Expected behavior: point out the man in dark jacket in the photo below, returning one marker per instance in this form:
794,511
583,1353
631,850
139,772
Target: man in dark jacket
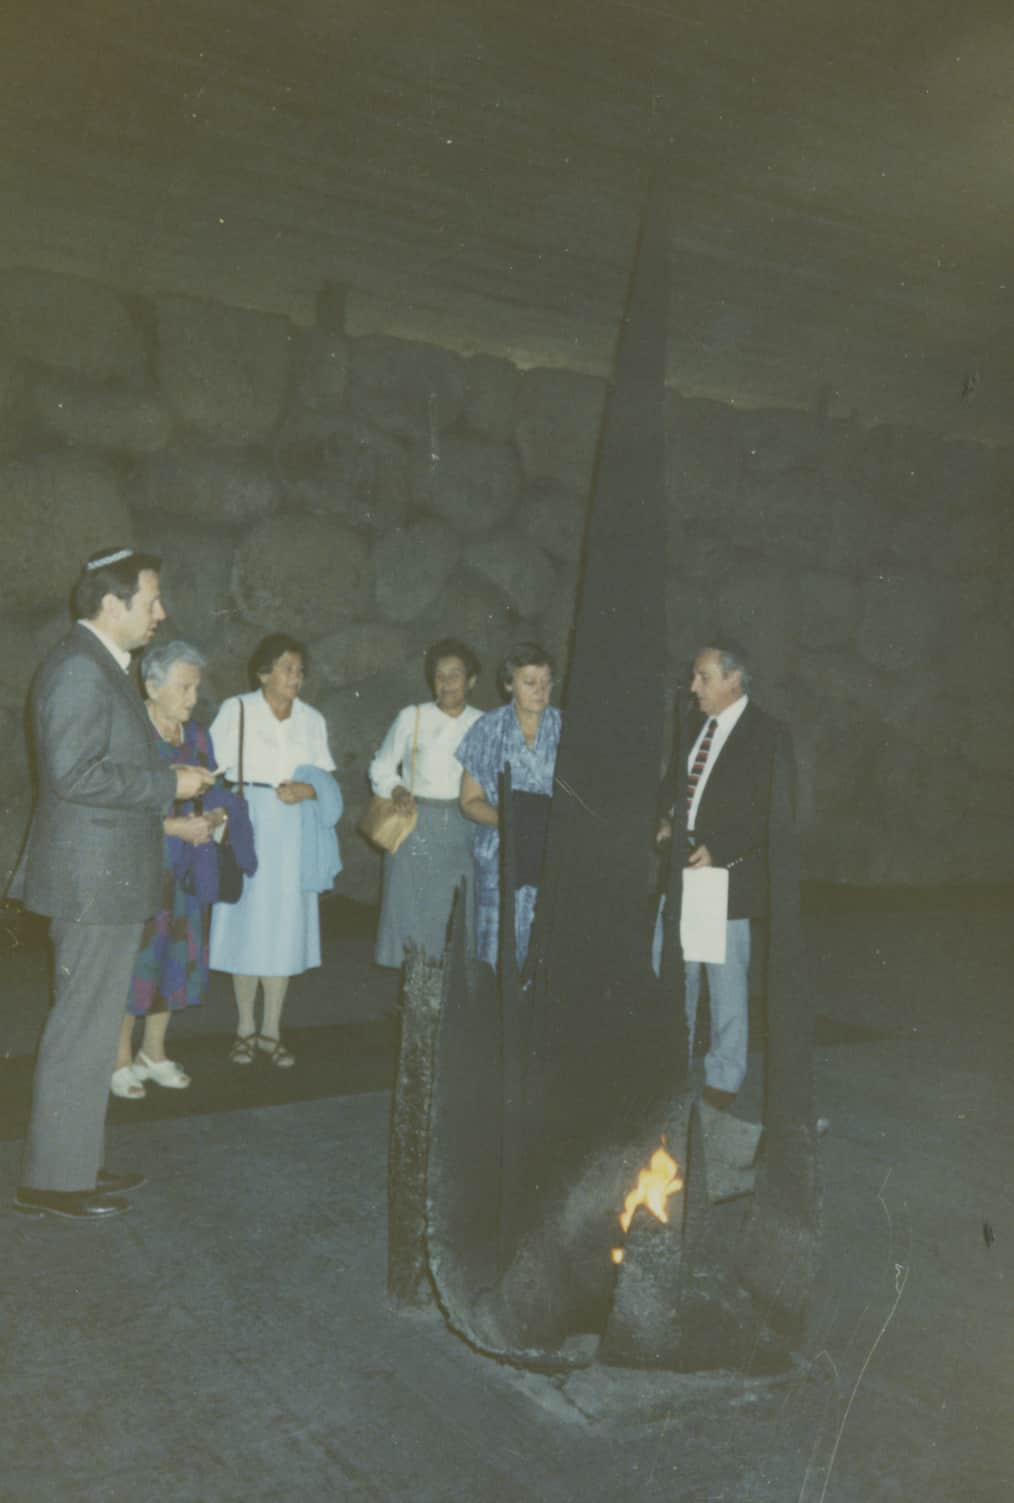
93,865
730,748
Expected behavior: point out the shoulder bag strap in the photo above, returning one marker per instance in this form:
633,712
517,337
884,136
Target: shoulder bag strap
242,729
415,748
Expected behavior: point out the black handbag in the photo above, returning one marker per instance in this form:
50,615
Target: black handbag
230,873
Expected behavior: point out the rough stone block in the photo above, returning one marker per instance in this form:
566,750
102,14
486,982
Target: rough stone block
758,607
18,662
828,609
70,324
703,458
559,415
474,485
557,622
782,516
320,363
224,371
134,422
195,578
56,510
517,568
414,390
554,519
213,485
491,392
303,575
898,622
776,440
412,567
359,651
352,472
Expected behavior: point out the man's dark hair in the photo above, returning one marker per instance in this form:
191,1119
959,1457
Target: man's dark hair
449,647
110,571
731,656
523,655
269,649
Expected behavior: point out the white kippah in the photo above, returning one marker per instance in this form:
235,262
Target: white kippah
109,558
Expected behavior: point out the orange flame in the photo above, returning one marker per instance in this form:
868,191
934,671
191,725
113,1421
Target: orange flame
654,1186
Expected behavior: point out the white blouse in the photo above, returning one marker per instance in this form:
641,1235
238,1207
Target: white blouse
437,774
272,748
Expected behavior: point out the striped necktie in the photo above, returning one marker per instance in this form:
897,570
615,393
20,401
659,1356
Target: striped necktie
703,752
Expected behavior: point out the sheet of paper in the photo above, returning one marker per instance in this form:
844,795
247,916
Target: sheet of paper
704,912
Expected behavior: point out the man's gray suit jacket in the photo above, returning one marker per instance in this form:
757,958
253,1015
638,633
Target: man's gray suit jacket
94,850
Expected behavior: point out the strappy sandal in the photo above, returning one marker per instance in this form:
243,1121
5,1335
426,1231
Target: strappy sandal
244,1049
125,1083
278,1055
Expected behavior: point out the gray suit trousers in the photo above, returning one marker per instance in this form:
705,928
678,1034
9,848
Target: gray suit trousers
93,964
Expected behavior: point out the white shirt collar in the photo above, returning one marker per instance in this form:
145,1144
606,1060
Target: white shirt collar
123,658
727,718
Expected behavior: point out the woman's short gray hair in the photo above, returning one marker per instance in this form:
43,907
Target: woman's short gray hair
158,662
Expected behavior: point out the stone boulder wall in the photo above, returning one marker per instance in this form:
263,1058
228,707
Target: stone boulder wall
491,393
223,371
517,568
412,567
218,486
343,468
128,422
559,415
371,495
358,652
56,510
196,577
471,485
413,390
69,324
302,575
554,520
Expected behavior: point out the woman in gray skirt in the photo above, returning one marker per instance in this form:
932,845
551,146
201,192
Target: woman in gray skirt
415,766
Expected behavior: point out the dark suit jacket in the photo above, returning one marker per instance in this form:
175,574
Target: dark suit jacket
94,850
733,814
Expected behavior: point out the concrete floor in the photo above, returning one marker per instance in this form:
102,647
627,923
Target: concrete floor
231,1339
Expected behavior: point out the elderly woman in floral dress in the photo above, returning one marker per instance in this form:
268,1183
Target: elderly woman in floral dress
525,733
171,970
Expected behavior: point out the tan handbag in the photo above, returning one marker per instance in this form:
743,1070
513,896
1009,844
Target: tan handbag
384,823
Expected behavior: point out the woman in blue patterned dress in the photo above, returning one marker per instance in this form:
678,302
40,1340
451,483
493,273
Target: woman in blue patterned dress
171,970
525,733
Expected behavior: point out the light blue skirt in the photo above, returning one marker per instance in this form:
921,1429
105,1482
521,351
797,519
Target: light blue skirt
274,929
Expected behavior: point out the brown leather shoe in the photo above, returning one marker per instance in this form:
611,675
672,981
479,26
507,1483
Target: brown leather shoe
76,1205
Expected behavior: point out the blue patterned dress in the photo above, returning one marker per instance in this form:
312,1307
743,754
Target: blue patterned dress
492,742
171,970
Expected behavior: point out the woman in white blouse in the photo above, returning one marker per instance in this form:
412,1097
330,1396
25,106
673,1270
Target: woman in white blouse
421,878
273,932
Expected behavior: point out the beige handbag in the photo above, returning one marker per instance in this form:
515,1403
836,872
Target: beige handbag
384,823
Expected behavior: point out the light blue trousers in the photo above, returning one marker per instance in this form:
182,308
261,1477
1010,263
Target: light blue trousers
728,994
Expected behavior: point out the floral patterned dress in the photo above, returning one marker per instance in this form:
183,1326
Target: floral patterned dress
171,970
493,741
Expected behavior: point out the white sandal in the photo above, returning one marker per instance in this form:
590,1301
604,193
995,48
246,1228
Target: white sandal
164,1072
125,1083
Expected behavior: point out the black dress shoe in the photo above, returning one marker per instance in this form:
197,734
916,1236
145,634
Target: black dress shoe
118,1184
78,1205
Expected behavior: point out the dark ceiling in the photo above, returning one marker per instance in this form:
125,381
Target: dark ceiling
840,177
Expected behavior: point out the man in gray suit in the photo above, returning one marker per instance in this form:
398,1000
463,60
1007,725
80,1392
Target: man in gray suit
93,865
